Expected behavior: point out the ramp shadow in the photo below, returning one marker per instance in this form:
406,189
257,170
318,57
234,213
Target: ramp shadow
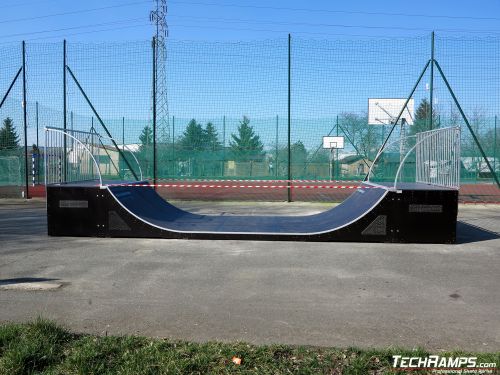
467,233
24,280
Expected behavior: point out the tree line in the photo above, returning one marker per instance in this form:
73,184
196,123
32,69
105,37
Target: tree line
201,141
246,145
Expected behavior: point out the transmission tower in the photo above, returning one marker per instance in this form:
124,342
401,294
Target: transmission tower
158,19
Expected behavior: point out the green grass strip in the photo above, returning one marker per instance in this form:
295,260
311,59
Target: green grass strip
43,347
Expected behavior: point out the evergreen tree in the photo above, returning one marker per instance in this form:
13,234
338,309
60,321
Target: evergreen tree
246,145
193,137
211,138
299,153
146,137
8,136
421,122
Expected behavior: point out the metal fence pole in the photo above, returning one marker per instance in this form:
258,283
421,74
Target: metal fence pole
337,164
123,144
223,144
289,177
276,146
25,123
431,88
173,145
64,107
10,87
37,146
154,111
495,147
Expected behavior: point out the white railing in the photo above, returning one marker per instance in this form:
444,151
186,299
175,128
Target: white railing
73,155
437,154
437,158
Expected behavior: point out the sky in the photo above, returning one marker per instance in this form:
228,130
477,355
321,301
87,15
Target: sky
116,20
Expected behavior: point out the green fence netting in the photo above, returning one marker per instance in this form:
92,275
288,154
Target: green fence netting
229,104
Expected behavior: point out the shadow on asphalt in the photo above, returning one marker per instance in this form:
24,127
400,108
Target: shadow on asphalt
468,233
24,280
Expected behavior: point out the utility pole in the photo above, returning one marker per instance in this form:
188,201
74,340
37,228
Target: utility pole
159,21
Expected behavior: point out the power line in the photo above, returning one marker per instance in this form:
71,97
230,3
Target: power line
16,5
235,20
73,12
83,32
276,31
335,11
73,28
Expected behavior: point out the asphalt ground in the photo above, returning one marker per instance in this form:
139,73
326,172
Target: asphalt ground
440,297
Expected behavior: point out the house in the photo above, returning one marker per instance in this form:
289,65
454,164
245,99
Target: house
354,166
475,166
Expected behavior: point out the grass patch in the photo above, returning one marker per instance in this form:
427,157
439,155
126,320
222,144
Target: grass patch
42,347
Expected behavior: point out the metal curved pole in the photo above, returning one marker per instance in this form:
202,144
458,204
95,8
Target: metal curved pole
47,129
381,151
137,161
434,133
128,149
104,137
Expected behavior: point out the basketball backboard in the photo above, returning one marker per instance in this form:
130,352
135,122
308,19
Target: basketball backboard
384,111
333,142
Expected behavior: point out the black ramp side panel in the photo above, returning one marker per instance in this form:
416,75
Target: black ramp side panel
145,204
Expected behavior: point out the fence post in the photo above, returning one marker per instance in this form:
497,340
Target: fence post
289,177
64,107
25,123
173,146
337,164
276,146
37,146
154,112
495,148
223,144
431,88
123,132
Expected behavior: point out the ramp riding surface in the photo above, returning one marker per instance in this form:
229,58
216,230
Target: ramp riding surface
145,204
